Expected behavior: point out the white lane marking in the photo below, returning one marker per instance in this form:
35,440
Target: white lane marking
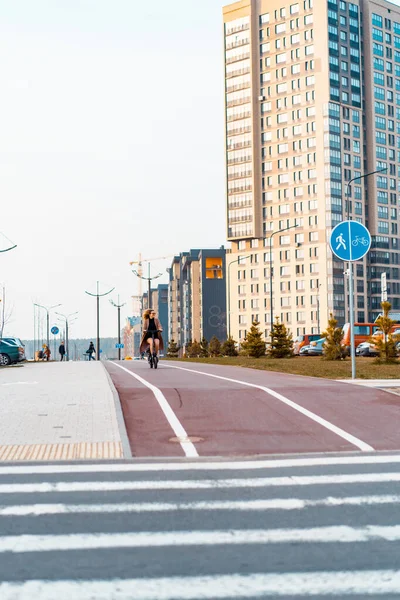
254,585
304,411
25,510
171,417
199,484
285,463
344,534
21,383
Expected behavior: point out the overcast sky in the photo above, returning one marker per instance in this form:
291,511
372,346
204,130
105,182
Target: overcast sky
111,144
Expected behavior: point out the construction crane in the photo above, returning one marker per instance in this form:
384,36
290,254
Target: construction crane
139,264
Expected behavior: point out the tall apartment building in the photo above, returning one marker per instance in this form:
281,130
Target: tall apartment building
197,296
312,94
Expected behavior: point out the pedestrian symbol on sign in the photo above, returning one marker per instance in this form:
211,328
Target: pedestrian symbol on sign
341,241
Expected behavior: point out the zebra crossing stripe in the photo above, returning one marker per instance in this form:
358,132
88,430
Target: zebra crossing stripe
88,541
280,463
26,510
254,585
199,484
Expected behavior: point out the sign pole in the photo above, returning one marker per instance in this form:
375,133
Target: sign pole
351,308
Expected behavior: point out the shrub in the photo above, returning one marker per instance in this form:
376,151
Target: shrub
333,348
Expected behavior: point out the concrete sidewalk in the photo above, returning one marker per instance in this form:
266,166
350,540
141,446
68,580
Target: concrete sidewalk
60,411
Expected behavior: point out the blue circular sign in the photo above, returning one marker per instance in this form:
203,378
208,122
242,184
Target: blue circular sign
55,330
350,240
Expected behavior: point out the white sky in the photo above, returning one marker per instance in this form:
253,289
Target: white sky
111,144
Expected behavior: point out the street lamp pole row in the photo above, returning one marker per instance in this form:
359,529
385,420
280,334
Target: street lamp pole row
118,306
97,296
149,280
66,319
47,309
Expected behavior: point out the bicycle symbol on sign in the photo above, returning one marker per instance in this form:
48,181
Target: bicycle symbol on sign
359,240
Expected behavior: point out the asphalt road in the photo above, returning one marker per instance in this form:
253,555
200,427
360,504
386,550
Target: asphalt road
319,526
210,410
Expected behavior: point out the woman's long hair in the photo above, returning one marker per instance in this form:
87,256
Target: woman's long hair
146,314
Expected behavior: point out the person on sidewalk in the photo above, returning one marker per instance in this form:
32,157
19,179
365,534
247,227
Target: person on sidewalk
61,350
91,351
46,352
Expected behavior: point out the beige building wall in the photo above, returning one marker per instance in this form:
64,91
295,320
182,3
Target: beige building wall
289,83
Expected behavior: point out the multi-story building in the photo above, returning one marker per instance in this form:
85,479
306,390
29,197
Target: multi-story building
312,92
197,296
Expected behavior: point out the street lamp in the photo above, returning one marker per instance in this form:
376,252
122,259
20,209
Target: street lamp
97,296
237,260
350,274
66,319
149,280
47,309
118,306
270,270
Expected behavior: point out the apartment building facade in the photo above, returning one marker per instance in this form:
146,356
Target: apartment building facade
197,296
305,115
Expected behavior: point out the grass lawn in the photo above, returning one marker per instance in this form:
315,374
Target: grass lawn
314,366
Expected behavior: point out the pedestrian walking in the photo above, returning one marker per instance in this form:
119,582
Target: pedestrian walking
91,351
61,350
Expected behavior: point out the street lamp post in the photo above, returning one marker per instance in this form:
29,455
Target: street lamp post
118,306
149,280
270,271
237,260
48,309
350,274
66,319
97,296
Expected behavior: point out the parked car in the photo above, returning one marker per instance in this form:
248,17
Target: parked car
316,348
366,349
13,340
304,350
10,353
304,340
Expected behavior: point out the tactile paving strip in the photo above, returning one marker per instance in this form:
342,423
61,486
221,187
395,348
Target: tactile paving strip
78,451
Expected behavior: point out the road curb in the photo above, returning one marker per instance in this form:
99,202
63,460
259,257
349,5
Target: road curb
126,448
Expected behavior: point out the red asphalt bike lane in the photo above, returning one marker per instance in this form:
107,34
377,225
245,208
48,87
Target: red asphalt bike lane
232,419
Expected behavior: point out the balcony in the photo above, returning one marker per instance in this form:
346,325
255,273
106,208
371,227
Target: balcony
240,159
237,58
239,188
238,43
238,116
237,73
239,86
242,27
238,130
240,175
246,219
239,101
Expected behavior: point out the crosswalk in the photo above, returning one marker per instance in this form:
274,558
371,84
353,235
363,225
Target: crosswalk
319,527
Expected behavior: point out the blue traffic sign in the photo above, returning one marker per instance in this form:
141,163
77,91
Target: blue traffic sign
350,240
55,330
119,345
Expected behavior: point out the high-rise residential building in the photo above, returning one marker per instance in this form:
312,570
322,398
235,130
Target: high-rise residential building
197,296
312,94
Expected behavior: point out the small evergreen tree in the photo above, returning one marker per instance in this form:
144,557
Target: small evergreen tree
204,352
195,350
281,345
229,347
215,346
188,349
253,344
333,348
173,349
384,340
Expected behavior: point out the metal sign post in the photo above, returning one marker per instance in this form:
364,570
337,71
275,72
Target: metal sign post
350,241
